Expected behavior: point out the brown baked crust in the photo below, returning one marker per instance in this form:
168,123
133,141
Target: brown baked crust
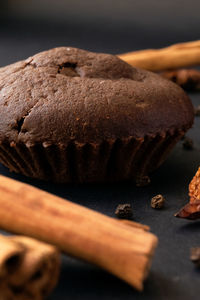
68,94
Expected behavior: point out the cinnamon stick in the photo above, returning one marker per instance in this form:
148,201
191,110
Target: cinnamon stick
135,224
125,251
173,57
29,268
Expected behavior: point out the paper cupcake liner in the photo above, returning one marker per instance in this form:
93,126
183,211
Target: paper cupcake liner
108,161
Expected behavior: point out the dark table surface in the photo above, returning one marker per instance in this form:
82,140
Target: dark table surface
172,275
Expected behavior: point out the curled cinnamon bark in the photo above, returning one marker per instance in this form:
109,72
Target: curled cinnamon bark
11,255
188,79
29,269
192,209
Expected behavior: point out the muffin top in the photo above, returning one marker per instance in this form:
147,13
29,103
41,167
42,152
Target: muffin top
69,94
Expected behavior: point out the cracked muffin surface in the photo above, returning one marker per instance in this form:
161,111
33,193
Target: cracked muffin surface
67,93
71,115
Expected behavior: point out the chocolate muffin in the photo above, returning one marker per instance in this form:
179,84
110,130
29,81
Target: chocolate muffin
69,115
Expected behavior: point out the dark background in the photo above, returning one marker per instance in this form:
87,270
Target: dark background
27,27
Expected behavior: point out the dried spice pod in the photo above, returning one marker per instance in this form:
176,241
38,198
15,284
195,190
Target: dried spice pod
192,209
194,187
188,79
